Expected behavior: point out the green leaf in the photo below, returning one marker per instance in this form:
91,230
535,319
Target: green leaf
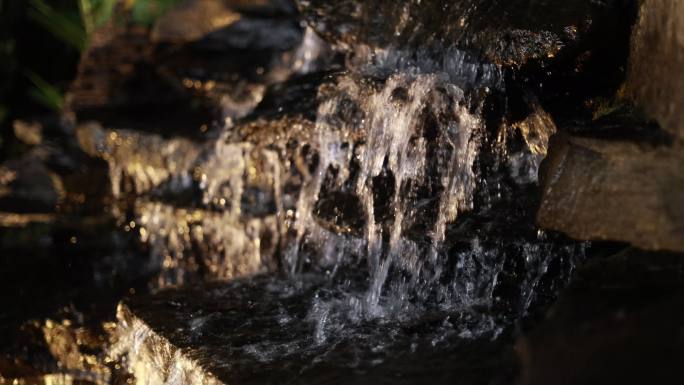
145,12
103,11
95,13
45,93
85,7
59,24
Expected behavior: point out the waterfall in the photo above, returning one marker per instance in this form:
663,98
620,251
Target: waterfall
396,190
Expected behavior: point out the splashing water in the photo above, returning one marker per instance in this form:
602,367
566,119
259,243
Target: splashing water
397,159
392,200
392,146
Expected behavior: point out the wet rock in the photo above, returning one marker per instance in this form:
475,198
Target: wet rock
654,80
130,159
224,28
261,331
205,210
58,353
27,185
191,245
30,133
258,34
117,78
47,379
191,232
627,191
508,32
620,322
71,269
192,20
527,141
75,348
202,60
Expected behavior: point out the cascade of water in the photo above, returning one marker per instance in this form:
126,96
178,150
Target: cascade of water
370,193
407,160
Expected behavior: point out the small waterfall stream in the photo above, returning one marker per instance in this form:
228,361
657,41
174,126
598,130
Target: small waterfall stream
384,163
373,199
338,191
369,194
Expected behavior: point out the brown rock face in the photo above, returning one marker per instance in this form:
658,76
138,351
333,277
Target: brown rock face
623,191
655,79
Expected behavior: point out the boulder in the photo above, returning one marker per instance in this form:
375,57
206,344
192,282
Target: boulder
655,79
261,331
201,60
602,189
223,25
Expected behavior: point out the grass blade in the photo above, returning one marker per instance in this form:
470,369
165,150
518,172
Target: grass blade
60,25
45,93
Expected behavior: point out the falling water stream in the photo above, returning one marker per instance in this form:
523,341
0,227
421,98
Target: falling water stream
408,229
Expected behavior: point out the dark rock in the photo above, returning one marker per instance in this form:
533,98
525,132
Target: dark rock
27,185
222,27
257,34
620,322
72,269
118,78
130,159
192,20
203,61
261,331
264,7
614,190
655,80
508,32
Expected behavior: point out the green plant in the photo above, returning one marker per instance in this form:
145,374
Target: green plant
60,24
95,13
44,93
71,29
145,12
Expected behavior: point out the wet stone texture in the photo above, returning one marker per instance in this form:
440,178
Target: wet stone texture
619,177
201,336
352,192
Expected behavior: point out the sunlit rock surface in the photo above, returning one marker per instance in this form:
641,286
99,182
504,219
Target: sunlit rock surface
615,190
